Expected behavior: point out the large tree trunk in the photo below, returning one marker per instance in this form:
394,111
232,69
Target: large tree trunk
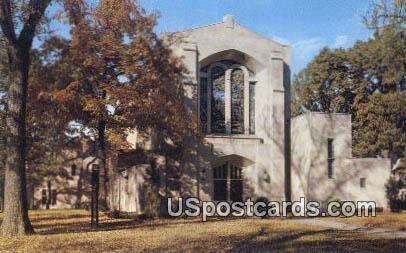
102,156
16,221
1,203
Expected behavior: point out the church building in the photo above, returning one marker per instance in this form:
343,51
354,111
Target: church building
238,86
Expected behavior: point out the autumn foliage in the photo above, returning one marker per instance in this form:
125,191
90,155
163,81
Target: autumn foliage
122,72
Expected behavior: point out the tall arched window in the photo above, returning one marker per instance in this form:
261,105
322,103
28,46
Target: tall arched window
218,100
226,99
237,101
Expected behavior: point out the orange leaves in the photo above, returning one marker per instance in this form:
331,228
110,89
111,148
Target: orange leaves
114,50
117,139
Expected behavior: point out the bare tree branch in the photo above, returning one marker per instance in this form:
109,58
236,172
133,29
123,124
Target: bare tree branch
6,20
36,11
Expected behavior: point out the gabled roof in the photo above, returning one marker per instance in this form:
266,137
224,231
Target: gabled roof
228,22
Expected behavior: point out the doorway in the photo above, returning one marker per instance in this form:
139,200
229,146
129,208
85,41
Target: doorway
228,183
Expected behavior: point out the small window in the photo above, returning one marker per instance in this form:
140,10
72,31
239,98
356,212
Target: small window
73,169
330,157
362,182
53,197
44,196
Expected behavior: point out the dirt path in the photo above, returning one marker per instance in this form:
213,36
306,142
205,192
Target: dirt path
386,232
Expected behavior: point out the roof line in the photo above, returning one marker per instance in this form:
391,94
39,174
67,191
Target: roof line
236,24
197,27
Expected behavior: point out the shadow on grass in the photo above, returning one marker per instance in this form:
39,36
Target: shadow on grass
112,225
52,217
320,241
264,239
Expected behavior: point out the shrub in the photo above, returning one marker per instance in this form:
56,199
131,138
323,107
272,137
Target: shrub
392,194
152,202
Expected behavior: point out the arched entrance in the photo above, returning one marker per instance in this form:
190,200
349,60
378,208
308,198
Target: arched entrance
228,182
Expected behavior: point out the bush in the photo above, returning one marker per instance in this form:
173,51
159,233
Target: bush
152,202
392,194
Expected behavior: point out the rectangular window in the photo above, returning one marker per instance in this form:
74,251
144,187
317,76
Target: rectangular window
330,157
362,182
252,107
73,169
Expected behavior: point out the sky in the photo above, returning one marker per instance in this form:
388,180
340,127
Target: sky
305,25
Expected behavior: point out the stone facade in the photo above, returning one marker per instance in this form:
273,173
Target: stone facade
238,88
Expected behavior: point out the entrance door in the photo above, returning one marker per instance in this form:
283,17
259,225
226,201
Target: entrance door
228,185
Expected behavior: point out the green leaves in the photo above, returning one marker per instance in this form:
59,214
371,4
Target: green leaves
367,81
380,124
323,85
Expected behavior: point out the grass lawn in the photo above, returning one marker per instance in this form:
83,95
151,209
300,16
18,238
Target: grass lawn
382,220
67,231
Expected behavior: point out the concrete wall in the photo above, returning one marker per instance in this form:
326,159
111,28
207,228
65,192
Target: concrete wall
376,171
310,132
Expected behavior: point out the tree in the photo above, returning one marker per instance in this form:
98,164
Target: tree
15,14
47,140
386,14
379,69
122,77
368,81
3,77
379,125
113,75
392,189
323,85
